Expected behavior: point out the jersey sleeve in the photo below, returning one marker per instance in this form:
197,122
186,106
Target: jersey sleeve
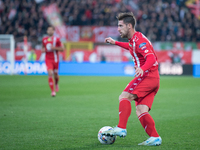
124,45
59,43
144,48
43,42
150,60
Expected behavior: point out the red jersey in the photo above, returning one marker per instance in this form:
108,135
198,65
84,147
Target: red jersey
47,43
140,47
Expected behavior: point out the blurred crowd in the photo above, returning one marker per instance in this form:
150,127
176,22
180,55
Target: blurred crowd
159,20
168,21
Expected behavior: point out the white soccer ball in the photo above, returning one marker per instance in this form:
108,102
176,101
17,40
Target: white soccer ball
104,139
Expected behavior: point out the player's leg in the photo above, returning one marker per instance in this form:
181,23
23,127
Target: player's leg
146,120
125,102
51,82
124,112
49,65
56,78
142,111
125,108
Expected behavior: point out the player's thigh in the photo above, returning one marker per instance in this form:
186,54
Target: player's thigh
142,86
131,85
49,65
55,67
147,100
146,86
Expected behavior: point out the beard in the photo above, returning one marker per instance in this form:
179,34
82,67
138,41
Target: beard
124,34
50,34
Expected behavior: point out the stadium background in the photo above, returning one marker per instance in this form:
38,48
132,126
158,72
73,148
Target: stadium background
173,26
31,119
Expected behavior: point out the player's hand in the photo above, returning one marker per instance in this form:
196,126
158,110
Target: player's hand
138,72
43,50
109,40
53,48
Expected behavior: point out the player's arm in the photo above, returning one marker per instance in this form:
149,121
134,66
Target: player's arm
124,45
60,48
43,48
146,51
150,60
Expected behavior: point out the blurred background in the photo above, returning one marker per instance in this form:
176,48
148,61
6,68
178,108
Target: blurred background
173,27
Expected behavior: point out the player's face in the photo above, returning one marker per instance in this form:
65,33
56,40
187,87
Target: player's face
123,29
50,31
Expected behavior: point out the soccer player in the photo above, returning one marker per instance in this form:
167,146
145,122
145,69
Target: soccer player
144,86
51,46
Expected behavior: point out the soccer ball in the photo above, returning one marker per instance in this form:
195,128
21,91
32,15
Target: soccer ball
104,139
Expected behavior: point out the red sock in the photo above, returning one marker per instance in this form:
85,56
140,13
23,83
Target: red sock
56,80
51,84
124,112
148,124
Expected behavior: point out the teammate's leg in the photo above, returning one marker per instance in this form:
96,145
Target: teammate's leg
51,82
56,78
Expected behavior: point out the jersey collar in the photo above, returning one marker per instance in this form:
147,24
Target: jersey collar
131,39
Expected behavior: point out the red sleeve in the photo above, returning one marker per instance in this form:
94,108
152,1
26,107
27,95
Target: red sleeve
59,44
150,60
43,42
122,44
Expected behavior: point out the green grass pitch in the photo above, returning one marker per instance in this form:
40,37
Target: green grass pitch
31,119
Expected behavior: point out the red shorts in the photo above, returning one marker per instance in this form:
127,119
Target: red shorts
145,88
51,65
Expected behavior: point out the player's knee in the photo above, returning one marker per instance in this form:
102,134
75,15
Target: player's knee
56,75
140,109
127,96
55,72
122,95
50,74
138,112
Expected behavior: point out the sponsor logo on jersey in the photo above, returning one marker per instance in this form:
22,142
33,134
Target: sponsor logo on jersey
49,39
130,45
142,44
144,47
146,51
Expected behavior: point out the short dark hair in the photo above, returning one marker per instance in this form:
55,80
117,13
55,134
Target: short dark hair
51,27
127,17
